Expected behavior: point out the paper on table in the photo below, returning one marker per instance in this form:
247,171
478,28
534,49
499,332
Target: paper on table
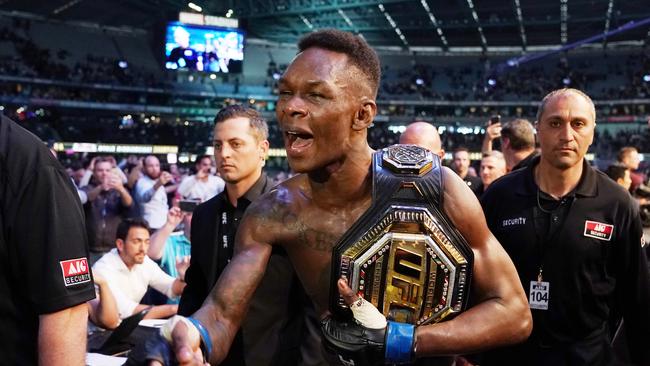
96,359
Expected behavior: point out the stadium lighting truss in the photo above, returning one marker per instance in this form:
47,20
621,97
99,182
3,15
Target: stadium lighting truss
478,23
393,24
307,22
564,16
520,19
434,21
608,18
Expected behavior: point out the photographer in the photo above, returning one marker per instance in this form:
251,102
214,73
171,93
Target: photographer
108,203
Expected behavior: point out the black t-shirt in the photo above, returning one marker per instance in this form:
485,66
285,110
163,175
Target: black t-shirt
589,245
43,248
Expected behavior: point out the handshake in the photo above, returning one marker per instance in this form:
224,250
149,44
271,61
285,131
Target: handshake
365,340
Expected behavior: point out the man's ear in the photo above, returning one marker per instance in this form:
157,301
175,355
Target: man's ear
365,115
505,143
119,244
264,149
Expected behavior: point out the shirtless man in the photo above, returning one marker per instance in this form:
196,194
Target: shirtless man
326,104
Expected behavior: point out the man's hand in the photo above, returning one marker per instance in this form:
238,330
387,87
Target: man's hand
367,339
114,182
174,217
182,264
493,131
165,177
178,342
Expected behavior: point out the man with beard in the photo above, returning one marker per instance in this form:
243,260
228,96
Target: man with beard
326,104
150,193
128,272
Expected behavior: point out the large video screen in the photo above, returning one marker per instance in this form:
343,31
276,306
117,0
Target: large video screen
209,49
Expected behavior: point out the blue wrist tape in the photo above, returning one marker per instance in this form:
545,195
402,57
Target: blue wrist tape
399,342
205,338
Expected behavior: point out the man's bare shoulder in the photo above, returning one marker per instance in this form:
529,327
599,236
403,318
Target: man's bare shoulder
281,203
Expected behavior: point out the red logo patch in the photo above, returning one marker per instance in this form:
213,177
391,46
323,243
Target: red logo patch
598,230
75,271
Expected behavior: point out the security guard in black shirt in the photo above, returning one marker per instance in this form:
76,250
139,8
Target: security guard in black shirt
575,238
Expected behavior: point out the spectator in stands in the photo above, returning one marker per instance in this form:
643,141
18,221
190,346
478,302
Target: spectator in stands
128,272
108,203
150,193
460,165
172,248
76,170
493,166
620,174
629,157
425,135
517,142
203,185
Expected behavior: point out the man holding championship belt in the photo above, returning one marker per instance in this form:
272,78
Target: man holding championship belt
418,266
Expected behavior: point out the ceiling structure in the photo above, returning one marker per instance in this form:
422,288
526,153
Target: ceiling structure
446,25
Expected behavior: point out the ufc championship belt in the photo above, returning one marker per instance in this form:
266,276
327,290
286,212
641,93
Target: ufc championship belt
404,255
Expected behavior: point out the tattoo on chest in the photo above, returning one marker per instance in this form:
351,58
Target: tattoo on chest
278,215
316,239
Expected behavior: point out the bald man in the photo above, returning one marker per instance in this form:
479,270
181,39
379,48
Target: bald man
423,134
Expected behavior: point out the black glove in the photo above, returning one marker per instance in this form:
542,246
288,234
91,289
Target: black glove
354,344
155,348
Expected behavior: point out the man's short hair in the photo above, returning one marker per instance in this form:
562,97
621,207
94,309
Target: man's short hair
520,133
624,152
200,158
126,225
359,53
103,159
495,154
460,149
549,96
257,122
616,171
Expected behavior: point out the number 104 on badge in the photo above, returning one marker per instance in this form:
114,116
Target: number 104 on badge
539,295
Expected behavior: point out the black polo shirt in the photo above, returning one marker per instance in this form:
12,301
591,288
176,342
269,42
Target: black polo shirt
589,246
43,248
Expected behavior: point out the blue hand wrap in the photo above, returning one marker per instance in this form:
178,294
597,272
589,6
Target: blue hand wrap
400,338
206,341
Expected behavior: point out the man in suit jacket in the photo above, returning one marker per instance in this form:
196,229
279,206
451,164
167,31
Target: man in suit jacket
272,332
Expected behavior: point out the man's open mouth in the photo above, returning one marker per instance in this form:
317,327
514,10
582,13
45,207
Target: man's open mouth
298,139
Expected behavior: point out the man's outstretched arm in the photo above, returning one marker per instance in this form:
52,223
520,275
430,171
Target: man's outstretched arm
225,307
500,315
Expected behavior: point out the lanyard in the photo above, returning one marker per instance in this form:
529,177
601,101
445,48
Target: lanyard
544,241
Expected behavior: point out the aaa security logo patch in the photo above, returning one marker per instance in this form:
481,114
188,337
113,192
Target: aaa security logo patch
598,230
75,271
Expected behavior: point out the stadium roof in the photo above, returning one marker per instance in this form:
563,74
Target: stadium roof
394,24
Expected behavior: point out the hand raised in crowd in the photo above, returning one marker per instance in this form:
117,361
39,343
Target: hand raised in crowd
165,177
182,264
114,181
174,217
493,131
